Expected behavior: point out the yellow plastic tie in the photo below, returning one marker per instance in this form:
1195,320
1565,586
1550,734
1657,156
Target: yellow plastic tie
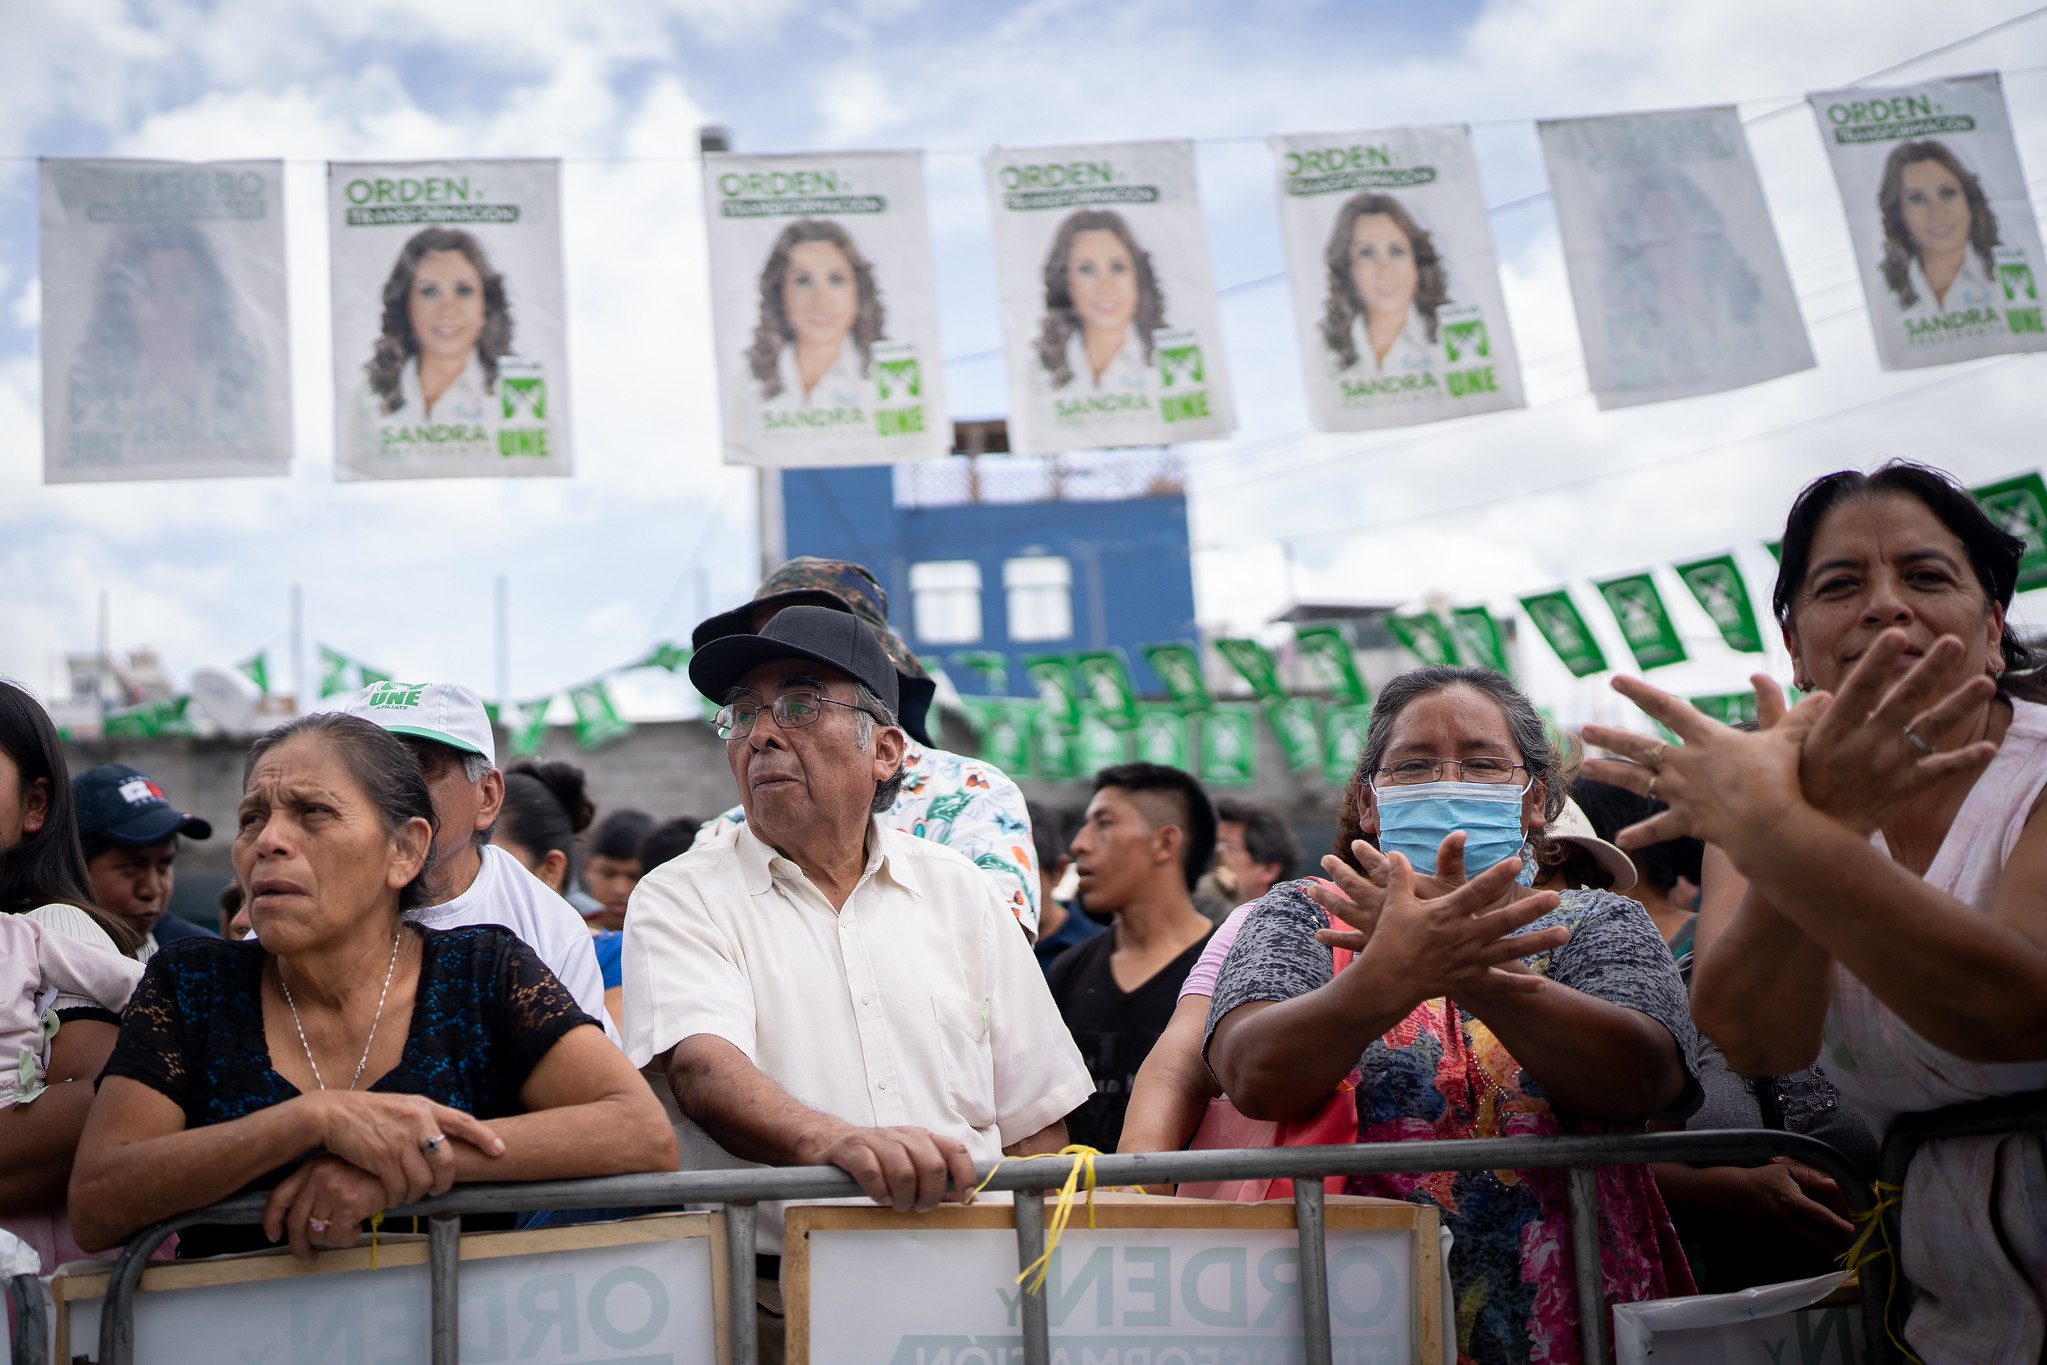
376,1226
1865,1250
1062,1209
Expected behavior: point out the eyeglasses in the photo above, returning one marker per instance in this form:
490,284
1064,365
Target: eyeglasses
1414,771
791,710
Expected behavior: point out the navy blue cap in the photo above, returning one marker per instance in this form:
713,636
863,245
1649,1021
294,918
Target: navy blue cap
121,803
838,639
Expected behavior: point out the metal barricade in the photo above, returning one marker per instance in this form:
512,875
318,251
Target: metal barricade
31,1320
741,1191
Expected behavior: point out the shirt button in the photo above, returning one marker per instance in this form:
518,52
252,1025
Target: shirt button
867,1000
881,1085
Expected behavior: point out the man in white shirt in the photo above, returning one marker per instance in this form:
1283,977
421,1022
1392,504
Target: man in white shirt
448,731
827,990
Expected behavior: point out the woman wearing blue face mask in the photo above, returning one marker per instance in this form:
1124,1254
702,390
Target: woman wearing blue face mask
1472,1008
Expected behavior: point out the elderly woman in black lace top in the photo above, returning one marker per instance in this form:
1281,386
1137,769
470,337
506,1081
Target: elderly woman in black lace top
343,1059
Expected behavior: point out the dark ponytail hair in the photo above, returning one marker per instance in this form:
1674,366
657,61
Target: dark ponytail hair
1993,552
546,807
47,867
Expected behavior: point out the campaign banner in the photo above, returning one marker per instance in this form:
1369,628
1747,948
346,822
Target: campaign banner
1229,746
450,344
1253,663
1109,314
1343,740
1676,275
1297,724
824,304
1179,669
166,346
1946,241
1395,281
1480,638
1161,736
1644,621
1105,679
1427,637
1720,589
1564,626
2020,506
1325,650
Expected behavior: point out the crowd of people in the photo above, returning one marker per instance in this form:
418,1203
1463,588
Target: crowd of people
432,971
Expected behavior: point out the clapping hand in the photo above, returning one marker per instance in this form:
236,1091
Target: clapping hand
1358,897
1452,944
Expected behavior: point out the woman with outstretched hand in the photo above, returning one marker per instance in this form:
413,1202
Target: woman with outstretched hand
1472,1007
343,1059
1876,888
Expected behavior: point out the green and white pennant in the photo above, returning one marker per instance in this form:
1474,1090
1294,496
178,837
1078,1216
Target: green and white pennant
2020,506
1644,621
1229,746
1718,585
1427,637
597,718
1326,651
1254,664
1179,671
1161,736
1564,626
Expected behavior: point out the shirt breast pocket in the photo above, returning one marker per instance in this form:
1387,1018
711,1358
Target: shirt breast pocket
969,1058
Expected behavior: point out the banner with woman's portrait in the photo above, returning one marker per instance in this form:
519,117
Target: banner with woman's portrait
450,349
1945,238
824,301
166,348
1396,288
1676,275
1109,314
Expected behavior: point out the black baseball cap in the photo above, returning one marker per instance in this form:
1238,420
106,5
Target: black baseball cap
837,639
121,803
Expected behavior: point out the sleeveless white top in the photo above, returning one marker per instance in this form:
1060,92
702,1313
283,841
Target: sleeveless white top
1975,1209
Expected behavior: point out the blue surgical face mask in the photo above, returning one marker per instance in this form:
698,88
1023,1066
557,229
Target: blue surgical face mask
1414,821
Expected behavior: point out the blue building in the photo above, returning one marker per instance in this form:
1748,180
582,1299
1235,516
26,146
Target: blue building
1011,555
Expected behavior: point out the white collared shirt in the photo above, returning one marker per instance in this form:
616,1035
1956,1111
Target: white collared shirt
917,1003
841,386
468,400
1128,371
1410,352
1972,288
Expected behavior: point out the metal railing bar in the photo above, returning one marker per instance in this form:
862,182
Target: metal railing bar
1313,1269
1032,1314
675,1189
444,1269
1582,1192
31,1320
741,1221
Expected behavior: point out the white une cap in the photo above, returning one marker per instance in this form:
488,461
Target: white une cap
447,713
1572,827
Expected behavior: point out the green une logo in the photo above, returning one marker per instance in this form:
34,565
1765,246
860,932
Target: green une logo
1180,364
1716,593
898,379
2019,516
2017,279
1460,338
396,694
523,399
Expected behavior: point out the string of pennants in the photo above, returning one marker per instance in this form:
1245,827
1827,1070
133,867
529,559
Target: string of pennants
825,306
1086,713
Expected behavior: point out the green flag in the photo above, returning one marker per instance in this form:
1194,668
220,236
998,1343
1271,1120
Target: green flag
1479,634
1105,680
990,666
597,719
1644,622
370,675
1729,708
1052,676
1560,622
1179,670
2020,506
1229,746
1253,663
1297,724
1776,549
1162,736
674,658
492,716
525,723
1718,584
1327,652
1343,739
1052,747
257,669
1426,637
164,716
334,670
1005,730
1098,744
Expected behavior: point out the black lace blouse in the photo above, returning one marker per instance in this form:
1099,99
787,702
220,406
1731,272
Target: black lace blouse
485,1012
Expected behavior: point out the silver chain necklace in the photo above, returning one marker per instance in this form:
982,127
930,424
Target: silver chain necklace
364,1060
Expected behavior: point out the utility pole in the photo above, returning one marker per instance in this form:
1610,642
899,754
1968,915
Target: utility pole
298,649
713,138
504,634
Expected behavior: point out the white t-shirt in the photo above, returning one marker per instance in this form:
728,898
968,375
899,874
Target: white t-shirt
505,893
916,1003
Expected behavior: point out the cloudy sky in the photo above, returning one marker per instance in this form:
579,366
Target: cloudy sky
604,564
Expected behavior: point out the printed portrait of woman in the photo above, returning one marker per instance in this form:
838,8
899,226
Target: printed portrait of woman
1102,305
446,327
1386,283
164,355
1940,233
817,294
1680,301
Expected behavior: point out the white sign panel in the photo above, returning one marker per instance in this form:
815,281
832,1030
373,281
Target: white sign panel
1945,237
166,350
640,1301
450,348
1109,315
825,304
1771,1323
1396,288
1678,281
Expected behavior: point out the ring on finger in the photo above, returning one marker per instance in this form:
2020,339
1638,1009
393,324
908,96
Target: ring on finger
316,1225
432,1144
1916,742
1654,758
1650,790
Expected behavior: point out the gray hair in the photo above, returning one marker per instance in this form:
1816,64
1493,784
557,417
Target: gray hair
1524,723
872,710
475,767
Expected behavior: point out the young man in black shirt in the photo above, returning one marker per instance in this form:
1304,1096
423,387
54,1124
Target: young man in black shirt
1148,836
